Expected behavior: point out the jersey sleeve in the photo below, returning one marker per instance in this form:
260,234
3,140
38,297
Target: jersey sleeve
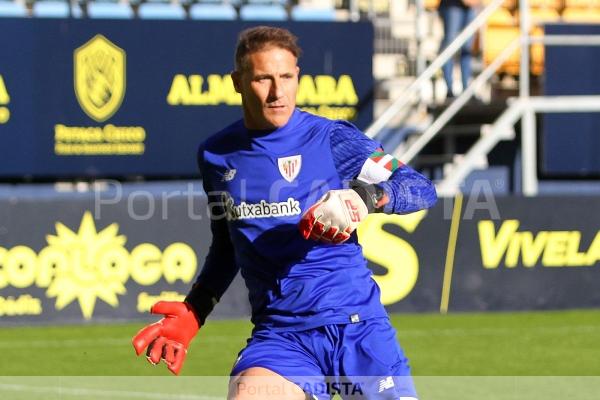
408,191
350,148
219,268
358,157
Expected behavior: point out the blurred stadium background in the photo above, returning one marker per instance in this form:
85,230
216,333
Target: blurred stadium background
103,103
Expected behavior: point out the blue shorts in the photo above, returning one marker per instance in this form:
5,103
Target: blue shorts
358,361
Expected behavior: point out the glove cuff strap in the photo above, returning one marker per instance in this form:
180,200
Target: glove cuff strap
370,194
202,300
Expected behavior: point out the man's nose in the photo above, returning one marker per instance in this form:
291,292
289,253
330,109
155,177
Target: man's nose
277,88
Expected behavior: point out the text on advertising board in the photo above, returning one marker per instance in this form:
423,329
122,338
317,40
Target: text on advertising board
86,265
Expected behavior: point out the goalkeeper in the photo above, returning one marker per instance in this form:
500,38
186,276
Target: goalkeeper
286,191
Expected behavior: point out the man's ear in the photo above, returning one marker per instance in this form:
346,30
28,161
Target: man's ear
236,77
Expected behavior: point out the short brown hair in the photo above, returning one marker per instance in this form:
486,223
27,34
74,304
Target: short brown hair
256,39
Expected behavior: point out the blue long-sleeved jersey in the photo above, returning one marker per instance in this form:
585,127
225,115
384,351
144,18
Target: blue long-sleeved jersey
260,183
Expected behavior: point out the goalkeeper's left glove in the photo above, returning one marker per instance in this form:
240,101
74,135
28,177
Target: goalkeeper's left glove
169,338
338,213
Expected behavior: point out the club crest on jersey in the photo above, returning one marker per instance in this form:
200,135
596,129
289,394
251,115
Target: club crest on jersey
289,167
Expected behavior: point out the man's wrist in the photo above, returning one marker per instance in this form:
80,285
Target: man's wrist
202,300
372,195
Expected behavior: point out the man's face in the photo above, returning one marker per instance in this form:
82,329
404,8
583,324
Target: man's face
268,85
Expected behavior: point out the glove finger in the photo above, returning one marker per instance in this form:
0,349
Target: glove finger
317,230
180,353
341,237
307,222
175,308
145,336
169,353
305,226
330,234
155,350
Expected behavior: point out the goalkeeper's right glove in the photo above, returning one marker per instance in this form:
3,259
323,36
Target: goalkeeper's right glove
334,217
338,213
169,338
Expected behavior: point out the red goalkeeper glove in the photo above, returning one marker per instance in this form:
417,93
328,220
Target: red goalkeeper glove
334,217
169,338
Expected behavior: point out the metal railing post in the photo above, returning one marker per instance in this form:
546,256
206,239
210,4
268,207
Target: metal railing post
419,34
529,147
528,125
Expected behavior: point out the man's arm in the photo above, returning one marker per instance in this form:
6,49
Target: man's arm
169,338
378,183
399,188
219,268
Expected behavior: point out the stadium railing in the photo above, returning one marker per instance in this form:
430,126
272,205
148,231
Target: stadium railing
523,108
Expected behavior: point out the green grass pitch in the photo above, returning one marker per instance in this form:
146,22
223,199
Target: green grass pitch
463,346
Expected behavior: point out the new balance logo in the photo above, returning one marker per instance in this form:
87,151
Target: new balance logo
385,384
228,175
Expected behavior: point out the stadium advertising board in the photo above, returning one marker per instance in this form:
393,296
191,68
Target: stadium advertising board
4,100
60,264
530,253
89,98
483,253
